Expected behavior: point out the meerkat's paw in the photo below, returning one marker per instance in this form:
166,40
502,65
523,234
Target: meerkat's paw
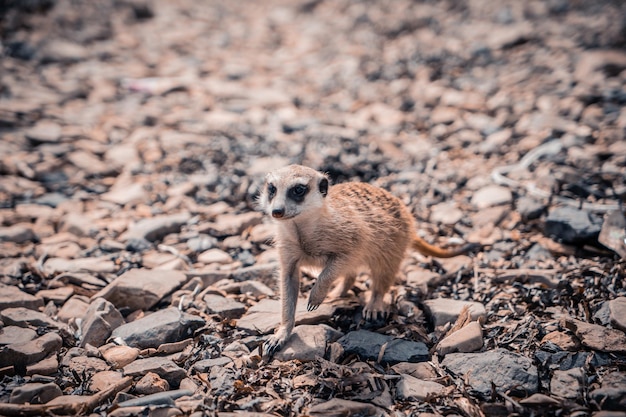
316,297
376,308
275,342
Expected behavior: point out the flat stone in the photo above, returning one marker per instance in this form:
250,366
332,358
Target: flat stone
163,367
597,337
17,234
446,213
264,316
78,225
567,384
233,224
47,366
492,195
419,370
466,339
308,342
215,256
119,356
164,326
223,306
57,295
529,208
367,345
15,334
25,317
44,132
102,380
256,289
265,273
569,225
11,297
339,407
22,354
201,243
100,319
35,393
411,388
443,310
74,307
99,265
423,278
617,308
85,365
499,367
206,364
563,340
141,289
158,227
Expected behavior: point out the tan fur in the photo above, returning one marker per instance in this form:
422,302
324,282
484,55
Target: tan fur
355,225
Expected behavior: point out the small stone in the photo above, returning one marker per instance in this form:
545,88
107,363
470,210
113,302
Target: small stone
99,265
61,51
612,392
498,367
446,213
44,132
57,295
47,366
206,364
15,334
22,354
223,306
443,310
597,337
411,388
339,407
617,308
570,225
24,317
163,367
423,278
529,208
85,365
11,297
568,384
201,243
78,225
466,339
17,234
264,316
256,289
35,393
216,256
563,340
141,289
151,383
539,400
308,342
100,319
156,228
102,380
74,307
119,356
233,224
164,326
492,195
367,345
419,370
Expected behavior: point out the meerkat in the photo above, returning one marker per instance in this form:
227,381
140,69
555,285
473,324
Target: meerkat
340,230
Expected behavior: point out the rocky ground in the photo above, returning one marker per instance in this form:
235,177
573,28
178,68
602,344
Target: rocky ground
138,276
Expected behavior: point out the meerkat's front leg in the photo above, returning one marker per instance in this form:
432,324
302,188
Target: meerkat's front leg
289,286
324,282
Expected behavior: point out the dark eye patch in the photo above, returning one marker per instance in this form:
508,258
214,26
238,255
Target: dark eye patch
271,191
297,193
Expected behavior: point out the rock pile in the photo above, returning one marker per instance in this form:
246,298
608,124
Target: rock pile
136,276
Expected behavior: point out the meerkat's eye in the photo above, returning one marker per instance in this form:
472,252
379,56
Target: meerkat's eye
298,192
271,191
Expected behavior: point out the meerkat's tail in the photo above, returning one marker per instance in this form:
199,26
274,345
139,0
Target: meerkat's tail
425,248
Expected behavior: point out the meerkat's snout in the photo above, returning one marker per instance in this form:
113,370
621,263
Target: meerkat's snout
278,213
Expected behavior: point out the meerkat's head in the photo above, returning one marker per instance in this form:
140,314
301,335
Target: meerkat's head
293,191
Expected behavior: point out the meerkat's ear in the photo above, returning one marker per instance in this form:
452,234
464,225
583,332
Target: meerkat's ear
323,186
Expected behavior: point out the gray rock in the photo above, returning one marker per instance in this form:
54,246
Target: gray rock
17,233
612,392
22,354
206,364
617,309
74,307
11,297
443,310
44,132
201,243
538,253
529,208
570,225
308,342
597,337
99,321
156,228
411,388
256,289
164,326
24,317
141,289
339,407
367,345
568,384
163,367
505,370
223,306
35,393
233,224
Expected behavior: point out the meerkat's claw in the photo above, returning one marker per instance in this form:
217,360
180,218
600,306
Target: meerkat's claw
311,307
275,342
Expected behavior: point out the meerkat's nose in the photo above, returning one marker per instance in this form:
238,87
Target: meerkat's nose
278,213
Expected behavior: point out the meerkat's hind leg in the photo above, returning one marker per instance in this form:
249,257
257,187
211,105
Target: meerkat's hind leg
381,282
